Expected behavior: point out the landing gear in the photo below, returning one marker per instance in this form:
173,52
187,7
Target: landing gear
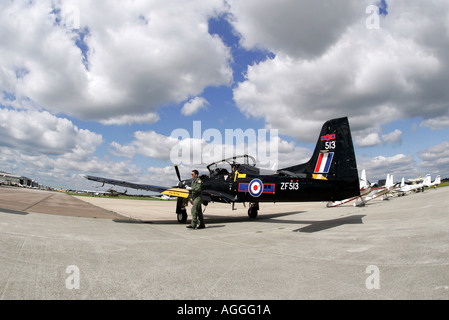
182,216
253,210
181,212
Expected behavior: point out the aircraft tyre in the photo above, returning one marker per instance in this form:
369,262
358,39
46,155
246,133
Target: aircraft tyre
182,216
253,210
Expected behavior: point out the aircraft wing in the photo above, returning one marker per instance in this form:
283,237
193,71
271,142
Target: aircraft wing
218,196
175,192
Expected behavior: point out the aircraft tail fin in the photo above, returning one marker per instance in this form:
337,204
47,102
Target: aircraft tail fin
389,183
363,181
427,181
333,158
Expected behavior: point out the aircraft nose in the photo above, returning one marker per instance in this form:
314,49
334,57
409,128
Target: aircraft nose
182,184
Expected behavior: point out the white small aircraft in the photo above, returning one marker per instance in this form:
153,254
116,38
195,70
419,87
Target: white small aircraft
399,190
378,192
365,189
407,188
414,181
435,183
162,197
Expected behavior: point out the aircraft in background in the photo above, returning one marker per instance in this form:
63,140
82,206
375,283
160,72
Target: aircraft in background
162,197
330,175
414,181
375,193
435,183
407,188
367,192
365,189
114,193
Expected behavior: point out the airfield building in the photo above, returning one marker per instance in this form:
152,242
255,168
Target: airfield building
16,180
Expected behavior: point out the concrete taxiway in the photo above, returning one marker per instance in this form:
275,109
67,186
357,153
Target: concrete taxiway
396,249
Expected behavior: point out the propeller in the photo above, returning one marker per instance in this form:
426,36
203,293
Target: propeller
177,172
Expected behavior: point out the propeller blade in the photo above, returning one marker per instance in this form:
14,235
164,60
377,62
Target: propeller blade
177,172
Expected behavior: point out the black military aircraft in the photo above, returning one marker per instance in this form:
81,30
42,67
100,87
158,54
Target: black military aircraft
330,175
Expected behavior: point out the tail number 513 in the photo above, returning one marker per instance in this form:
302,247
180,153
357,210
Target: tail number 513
329,145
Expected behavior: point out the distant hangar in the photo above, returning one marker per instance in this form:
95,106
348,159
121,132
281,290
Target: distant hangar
19,181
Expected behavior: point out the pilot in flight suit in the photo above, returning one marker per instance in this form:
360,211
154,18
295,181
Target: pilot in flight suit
197,213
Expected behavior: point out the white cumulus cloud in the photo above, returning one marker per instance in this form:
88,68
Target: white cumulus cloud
126,58
194,105
374,76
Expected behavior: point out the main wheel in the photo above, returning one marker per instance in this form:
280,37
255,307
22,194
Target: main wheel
252,212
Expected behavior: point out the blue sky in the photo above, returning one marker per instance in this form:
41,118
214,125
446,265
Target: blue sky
91,88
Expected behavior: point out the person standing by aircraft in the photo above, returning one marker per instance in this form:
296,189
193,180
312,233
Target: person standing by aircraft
197,213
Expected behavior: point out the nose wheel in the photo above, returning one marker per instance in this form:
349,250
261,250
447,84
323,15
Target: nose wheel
181,212
182,216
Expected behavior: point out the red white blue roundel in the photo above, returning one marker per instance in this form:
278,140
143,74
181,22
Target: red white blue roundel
255,187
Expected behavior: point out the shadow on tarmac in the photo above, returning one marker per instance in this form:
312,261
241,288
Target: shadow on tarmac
315,226
217,221
23,213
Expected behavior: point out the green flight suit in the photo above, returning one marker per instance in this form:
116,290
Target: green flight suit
197,213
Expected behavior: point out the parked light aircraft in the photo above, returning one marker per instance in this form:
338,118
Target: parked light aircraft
162,197
367,192
376,192
435,183
407,188
114,193
416,180
365,189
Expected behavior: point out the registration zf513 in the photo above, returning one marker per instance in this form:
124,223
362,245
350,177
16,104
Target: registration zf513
289,185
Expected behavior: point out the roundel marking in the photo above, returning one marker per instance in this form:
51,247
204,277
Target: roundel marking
255,187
